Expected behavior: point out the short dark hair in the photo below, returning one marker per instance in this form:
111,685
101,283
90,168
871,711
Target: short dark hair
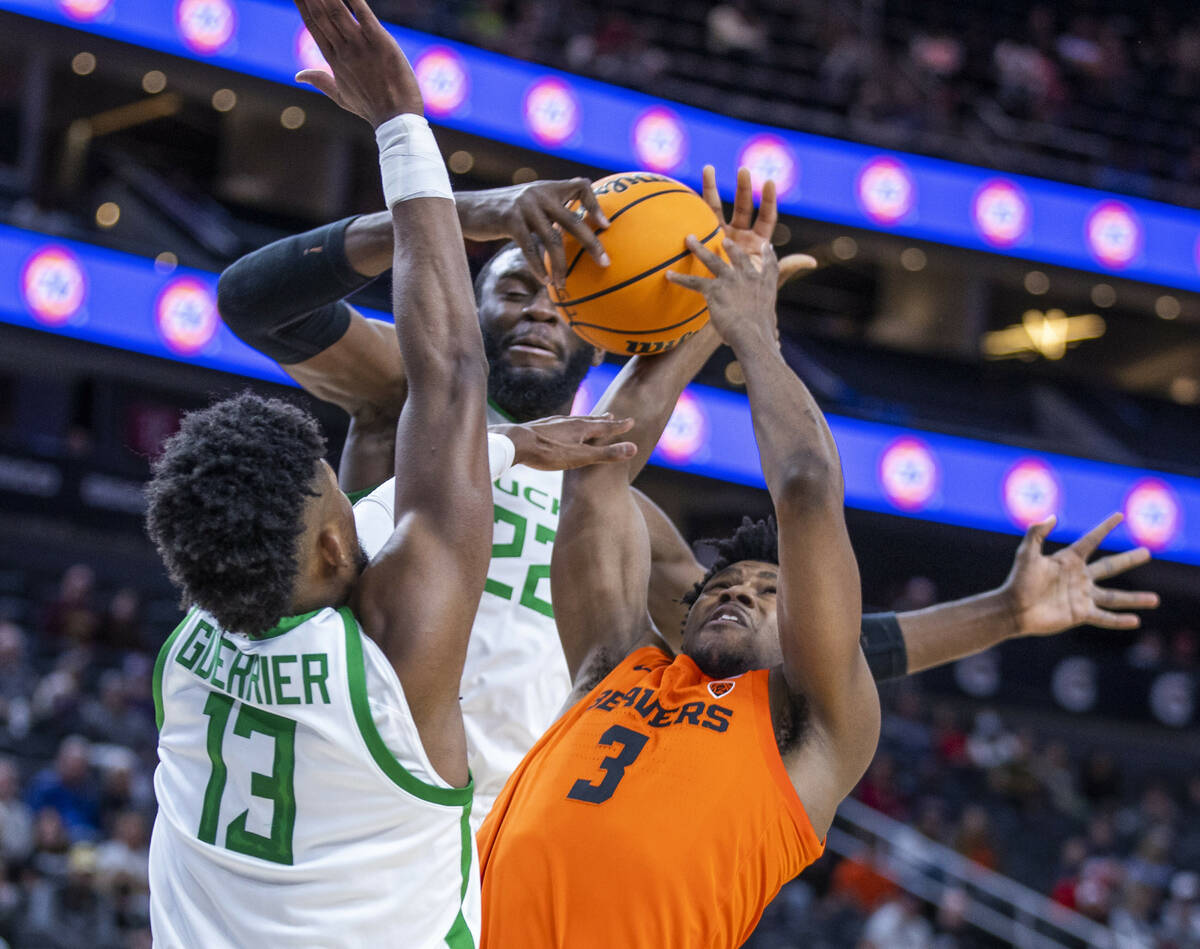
225,507
481,277
753,540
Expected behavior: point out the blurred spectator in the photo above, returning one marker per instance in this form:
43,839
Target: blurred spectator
859,880
71,618
1131,918
734,29
122,861
974,838
1181,912
110,717
877,788
990,744
16,681
16,817
73,912
121,625
898,924
68,788
1100,782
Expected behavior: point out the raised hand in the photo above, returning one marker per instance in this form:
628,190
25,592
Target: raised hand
528,214
371,76
569,441
745,228
1051,593
740,294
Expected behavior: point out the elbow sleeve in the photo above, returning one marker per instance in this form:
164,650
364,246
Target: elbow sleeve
285,299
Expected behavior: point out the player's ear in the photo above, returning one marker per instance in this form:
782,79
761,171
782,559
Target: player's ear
332,549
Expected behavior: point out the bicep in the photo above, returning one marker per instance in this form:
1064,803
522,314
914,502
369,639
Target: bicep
600,569
674,570
361,373
820,613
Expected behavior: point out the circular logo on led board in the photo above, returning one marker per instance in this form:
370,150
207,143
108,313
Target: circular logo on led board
769,159
908,473
1114,234
1031,492
552,112
886,190
659,139
1001,213
186,315
53,285
1152,513
686,431
442,76
206,26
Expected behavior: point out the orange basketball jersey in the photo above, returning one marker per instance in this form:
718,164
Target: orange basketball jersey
655,813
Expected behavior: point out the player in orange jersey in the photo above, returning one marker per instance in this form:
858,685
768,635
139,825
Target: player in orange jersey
679,793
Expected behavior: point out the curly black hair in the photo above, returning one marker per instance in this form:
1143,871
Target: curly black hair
225,507
753,540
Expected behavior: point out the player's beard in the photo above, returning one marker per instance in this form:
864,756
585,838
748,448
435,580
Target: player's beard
527,393
722,660
362,559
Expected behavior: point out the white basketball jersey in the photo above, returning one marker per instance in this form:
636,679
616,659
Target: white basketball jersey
296,805
515,679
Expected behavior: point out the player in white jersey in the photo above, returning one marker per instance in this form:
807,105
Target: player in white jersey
313,783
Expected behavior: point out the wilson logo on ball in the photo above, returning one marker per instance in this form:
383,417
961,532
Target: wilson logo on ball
630,307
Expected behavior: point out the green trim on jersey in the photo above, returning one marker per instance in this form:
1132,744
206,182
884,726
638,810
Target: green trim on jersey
459,936
286,624
451,797
160,664
356,496
499,411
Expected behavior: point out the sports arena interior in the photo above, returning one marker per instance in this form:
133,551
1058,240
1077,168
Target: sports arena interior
1004,323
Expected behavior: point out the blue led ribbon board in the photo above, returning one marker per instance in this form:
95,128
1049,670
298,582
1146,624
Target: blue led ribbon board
102,296
598,124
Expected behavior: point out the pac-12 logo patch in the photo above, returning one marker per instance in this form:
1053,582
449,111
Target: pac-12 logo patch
720,689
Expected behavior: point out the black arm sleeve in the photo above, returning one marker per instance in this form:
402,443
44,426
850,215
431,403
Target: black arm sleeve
285,299
883,645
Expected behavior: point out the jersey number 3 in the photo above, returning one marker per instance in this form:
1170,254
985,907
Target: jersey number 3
631,744
277,787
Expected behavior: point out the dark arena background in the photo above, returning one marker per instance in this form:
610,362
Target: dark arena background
1004,201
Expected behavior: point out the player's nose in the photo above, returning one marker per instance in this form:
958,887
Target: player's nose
540,308
737,593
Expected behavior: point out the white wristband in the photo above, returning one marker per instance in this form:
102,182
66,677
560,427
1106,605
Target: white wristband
501,453
410,161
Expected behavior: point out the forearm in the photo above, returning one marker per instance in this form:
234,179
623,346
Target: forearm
949,631
443,350
648,387
794,440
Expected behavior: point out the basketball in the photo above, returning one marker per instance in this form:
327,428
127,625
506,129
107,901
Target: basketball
629,307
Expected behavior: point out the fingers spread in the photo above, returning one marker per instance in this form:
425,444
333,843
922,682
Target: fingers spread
793,265
1106,620
574,225
1087,544
712,197
743,202
529,247
687,280
587,198
1125,599
768,214
710,260
1116,564
551,238
1032,541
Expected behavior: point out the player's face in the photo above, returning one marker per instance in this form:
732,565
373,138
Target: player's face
536,361
337,516
732,627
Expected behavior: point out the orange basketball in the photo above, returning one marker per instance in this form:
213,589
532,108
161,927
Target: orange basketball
630,307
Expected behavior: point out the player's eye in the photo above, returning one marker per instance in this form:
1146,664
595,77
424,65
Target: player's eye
770,590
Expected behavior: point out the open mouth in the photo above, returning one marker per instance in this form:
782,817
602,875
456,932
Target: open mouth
728,614
533,346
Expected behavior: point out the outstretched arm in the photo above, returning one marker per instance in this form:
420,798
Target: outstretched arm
419,596
818,601
1045,594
